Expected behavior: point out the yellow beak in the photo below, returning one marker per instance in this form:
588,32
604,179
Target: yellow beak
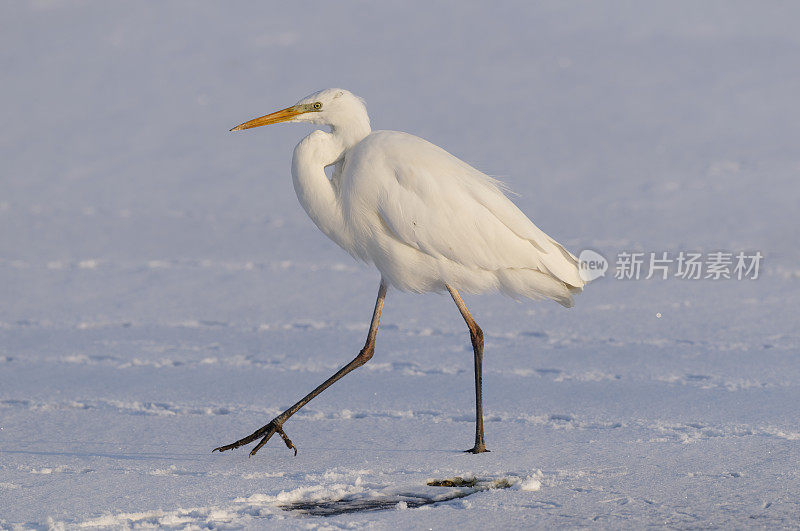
273,118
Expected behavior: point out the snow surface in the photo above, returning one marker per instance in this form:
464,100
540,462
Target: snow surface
161,292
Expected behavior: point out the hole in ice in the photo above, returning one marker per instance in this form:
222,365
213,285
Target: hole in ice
393,498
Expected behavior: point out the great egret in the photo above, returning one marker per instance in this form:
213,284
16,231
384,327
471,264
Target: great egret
427,220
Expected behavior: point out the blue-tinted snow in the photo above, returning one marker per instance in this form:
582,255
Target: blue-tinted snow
162,292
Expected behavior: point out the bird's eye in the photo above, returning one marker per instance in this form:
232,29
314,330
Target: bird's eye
317,106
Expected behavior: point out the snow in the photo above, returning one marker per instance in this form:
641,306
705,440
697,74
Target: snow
162,292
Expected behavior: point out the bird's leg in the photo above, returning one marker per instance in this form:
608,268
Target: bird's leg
276,424
476,336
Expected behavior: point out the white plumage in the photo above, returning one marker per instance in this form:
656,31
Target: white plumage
421,215
427,220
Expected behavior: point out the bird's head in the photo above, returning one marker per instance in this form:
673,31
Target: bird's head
333,107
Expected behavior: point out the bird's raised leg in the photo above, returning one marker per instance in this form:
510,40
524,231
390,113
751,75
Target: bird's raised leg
476,336
276,424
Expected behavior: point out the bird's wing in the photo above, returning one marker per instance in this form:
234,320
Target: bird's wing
443,207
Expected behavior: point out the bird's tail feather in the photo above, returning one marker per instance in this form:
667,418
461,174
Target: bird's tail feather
536,285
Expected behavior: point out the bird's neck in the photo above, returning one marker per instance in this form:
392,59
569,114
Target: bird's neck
317,195
349,133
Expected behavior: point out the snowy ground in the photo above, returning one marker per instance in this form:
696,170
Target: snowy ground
161,292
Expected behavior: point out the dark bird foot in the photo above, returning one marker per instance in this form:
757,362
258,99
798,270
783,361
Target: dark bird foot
477,449
265,432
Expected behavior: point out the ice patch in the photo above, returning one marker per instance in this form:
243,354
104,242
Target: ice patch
364,497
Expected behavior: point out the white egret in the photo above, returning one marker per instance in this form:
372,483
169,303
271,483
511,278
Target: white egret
427,220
